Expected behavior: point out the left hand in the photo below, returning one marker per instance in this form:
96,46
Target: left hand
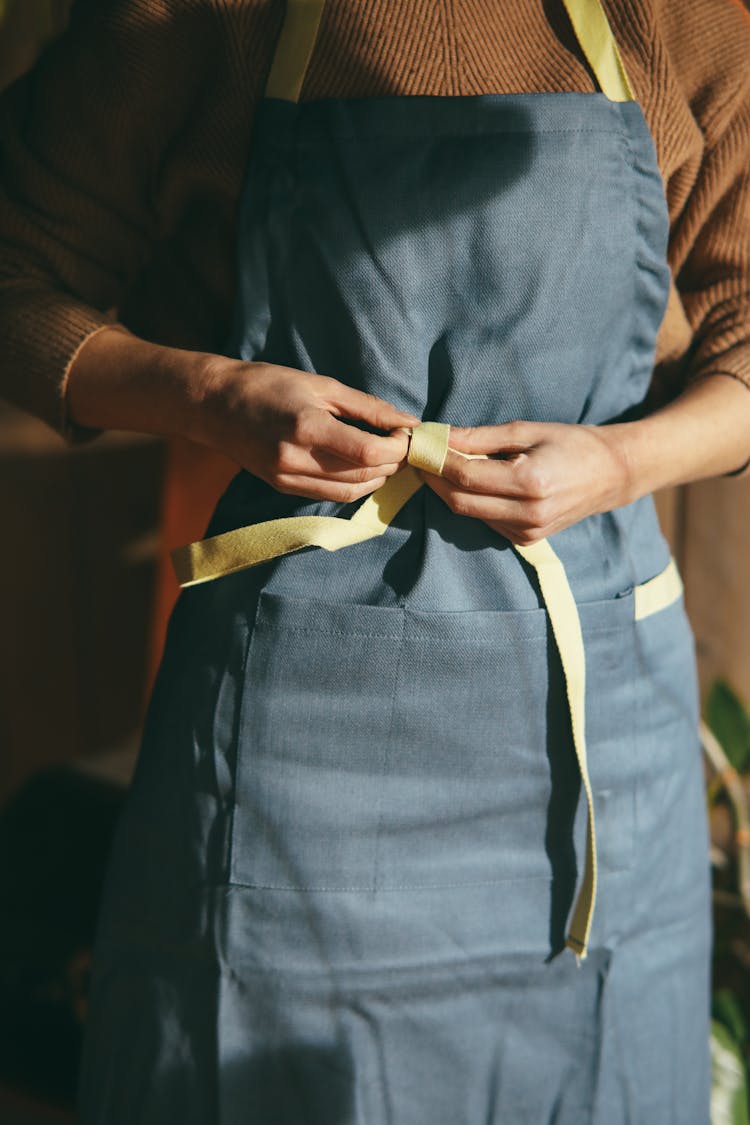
539,478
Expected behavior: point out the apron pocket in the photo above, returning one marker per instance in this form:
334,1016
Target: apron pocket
384,748
313,727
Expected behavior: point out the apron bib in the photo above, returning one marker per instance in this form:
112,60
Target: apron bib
387,782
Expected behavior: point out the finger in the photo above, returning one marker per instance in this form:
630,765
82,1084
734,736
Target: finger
491,477
519,536
293,459
318,488
357,446
523,513
370,408
508,436
521,532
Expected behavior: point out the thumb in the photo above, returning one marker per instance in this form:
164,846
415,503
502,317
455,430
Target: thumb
370,408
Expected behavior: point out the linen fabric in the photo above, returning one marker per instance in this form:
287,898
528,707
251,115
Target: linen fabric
339,889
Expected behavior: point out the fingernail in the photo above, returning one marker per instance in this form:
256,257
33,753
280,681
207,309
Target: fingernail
412,419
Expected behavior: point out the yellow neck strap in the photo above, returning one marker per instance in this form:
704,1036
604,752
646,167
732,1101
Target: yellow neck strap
295,45
598,44
294,48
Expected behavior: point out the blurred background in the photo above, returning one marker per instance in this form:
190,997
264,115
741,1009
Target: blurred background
86,588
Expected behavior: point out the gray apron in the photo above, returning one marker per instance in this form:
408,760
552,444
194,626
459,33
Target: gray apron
340,886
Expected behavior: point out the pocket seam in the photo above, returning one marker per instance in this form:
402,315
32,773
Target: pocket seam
251,619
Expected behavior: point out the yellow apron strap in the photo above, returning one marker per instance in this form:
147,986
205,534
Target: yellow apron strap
428,450
207,559
294,49
566,627
598,44
302,20
660,592
259,542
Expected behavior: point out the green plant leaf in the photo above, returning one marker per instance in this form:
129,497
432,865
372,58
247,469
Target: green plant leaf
729,720
729,1104
726,1008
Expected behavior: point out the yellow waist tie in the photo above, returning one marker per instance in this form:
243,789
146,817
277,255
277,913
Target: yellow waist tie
428,447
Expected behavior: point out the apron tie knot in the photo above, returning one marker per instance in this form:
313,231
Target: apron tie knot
428,446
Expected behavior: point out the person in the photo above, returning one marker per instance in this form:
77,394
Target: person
342,886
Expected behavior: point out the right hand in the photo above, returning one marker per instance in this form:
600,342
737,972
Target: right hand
283,425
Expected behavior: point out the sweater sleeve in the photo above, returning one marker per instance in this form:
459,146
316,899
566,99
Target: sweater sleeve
702,52
88,141
74,222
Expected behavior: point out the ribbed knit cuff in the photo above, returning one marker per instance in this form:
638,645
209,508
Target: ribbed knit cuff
73,432
42,332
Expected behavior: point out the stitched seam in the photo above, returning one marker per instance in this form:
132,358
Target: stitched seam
391,887
305,142
471,642
386,753
236,736
330,632
636,220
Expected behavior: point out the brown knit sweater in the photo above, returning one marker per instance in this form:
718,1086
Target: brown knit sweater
123,155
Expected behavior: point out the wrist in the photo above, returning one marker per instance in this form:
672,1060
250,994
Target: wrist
212,397
629,479
118,381
196,390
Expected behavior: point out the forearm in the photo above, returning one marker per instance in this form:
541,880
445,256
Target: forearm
118,381
705,432
287,426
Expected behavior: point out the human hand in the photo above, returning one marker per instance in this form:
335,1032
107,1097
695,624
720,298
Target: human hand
539,477
283,425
